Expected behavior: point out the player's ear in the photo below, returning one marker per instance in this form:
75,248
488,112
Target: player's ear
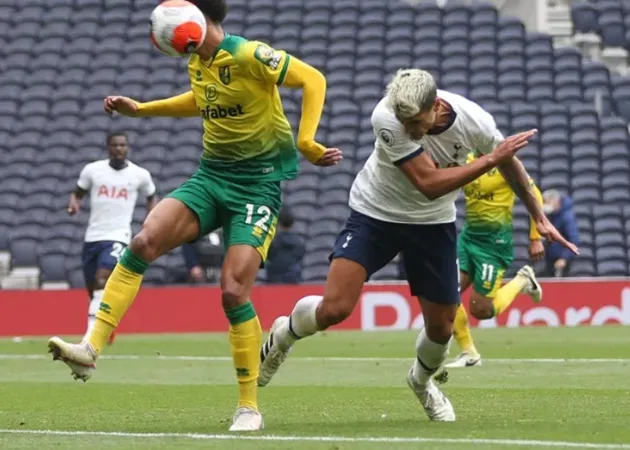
436,104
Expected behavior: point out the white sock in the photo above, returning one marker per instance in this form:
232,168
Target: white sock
302,321
95,303
430,357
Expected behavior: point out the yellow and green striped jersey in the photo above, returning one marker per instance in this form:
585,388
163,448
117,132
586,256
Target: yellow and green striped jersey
245,132
489,203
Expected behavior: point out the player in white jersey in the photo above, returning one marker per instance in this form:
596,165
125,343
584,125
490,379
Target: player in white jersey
404,201
113,185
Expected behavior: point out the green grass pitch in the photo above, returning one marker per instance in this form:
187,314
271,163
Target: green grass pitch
538,388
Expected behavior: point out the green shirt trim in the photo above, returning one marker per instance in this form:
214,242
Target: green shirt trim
229,44
285,69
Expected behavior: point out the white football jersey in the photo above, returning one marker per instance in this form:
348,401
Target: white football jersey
382,191
113,196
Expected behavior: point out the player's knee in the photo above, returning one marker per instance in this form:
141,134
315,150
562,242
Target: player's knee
145,245
232,293
481,308
333,311
100,282
438,325
440,332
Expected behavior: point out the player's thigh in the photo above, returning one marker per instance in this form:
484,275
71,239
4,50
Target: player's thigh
187,212
363,247
489,263
168,225
249,214
433,276
343,290
431,263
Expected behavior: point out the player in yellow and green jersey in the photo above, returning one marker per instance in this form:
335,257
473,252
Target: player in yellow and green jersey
485,252
247,150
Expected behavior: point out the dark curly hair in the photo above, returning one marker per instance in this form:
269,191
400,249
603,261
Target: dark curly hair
215,10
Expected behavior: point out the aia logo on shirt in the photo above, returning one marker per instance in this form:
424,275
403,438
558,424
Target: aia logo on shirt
112,192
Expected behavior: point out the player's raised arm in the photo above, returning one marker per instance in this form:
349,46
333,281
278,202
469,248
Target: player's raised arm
182,105
518,179
313,84
276,67
434,182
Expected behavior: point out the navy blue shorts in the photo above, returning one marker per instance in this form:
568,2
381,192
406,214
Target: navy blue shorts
100,255
429,252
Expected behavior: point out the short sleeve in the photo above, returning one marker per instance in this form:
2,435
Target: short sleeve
147,186
264,62
85,178
489,136
392,138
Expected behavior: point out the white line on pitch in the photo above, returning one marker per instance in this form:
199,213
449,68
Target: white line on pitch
9,356
272,438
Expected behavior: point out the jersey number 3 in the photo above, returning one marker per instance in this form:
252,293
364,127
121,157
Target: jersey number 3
264,211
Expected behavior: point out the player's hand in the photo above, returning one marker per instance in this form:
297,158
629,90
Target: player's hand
536,250
330,158
73,207
122,105
549,232
512,144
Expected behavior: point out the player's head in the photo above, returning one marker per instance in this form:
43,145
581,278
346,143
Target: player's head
117,148
552,201
412,94
285,219
214,10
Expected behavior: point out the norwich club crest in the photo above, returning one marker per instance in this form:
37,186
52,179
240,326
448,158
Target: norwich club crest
225,75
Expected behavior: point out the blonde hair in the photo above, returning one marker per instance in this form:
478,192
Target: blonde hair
411,92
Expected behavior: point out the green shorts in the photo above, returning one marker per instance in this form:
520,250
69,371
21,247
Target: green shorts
485,259
247,212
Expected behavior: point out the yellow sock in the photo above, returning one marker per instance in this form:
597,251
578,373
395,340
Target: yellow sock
461,331
120,291
506,294
245,341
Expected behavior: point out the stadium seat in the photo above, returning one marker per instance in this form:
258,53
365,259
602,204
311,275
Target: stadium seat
519,77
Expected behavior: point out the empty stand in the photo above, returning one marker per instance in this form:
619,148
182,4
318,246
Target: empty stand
59,62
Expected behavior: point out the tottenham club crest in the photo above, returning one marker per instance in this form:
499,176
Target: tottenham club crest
225,75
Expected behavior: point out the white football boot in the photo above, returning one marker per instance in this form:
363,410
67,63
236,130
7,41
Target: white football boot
271,355
247,419
79,357
465,359
534,289
435,403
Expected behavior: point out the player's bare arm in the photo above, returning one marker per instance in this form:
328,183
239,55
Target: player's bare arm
182,105
75,200
518,179
433,182
313,84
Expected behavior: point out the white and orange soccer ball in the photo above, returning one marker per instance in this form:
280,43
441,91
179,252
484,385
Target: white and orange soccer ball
178,27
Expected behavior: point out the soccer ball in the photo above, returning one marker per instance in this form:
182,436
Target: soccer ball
178,27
